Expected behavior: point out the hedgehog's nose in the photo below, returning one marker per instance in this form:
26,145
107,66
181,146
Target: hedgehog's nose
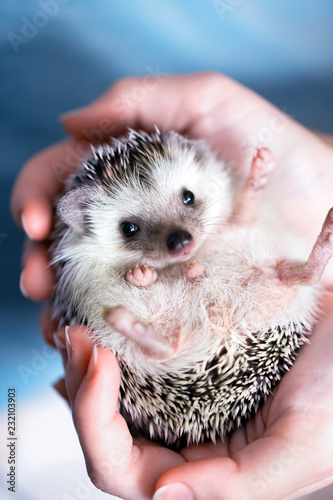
178,239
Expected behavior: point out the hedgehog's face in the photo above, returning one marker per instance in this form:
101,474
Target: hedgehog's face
168,229
160,237
169,218
158,218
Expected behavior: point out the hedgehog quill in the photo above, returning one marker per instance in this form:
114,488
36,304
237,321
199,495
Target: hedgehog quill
172,267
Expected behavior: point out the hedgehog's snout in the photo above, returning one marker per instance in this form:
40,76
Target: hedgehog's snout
178,241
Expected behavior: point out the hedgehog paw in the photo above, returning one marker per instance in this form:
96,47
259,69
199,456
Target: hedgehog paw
262,165
142,275
193,270
246,202
310,272
123,321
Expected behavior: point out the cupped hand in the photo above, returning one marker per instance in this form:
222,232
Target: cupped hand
231,117
283,452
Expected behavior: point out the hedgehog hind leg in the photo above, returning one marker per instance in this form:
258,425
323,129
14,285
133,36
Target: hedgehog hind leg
246,203
125,322
310,272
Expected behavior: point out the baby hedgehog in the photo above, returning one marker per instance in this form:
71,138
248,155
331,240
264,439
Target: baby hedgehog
173,268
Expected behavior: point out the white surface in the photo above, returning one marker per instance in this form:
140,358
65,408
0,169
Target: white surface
50,464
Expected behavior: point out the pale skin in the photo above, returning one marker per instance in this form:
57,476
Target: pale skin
286,449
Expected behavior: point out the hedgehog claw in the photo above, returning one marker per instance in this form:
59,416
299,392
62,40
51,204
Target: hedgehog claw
141,275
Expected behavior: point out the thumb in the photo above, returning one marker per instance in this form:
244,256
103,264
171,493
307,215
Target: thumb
215,478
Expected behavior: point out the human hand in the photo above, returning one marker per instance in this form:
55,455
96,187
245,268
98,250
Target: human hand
234,120
283,452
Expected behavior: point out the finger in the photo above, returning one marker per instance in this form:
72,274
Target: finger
60,387
114,463
40,180
36,216
137,103
56,338
59,341
78,351
271,467
205,105
37,278
109,115
48,325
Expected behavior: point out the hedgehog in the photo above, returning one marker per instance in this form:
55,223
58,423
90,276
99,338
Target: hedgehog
173,266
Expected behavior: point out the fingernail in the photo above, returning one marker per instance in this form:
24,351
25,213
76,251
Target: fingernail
23,290
92,363
25,227
68,343
59,345
174,491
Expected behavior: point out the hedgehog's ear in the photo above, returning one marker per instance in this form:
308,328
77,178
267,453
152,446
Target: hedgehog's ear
201,148
71,208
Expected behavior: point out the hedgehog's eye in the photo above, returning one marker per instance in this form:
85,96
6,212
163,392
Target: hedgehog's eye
129,229
188,197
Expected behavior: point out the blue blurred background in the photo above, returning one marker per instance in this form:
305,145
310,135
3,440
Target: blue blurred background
57,55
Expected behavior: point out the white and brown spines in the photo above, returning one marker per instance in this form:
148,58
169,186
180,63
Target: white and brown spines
143,143
132,155
214,396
